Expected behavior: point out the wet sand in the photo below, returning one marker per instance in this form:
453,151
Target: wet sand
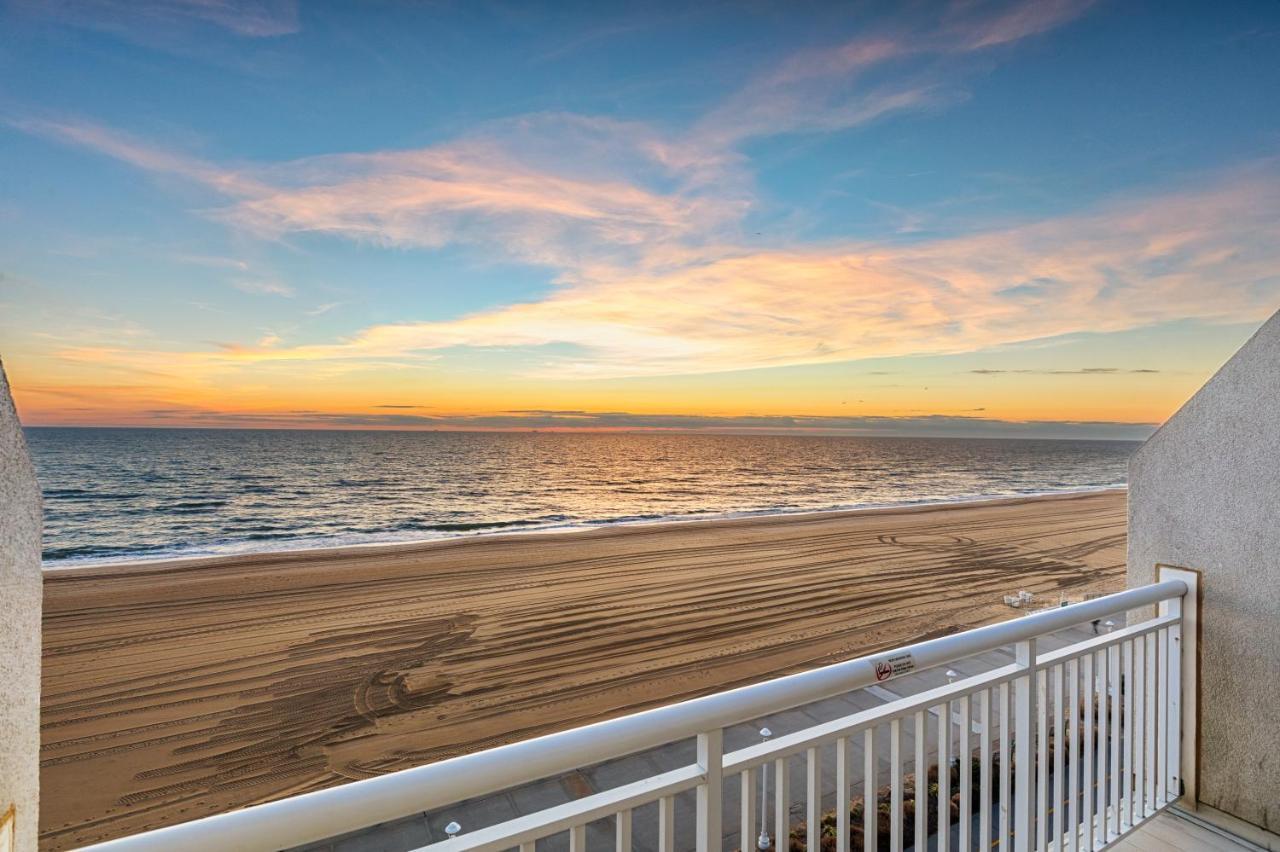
179,689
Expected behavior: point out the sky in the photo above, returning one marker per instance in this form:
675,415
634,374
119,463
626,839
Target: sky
1050,218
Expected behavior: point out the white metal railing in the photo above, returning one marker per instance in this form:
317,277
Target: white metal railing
1100,722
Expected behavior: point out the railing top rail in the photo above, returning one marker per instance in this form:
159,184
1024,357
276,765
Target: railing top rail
340,810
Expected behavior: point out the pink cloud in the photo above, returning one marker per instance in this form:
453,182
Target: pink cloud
464,192
544,188
547,188
826,88
1019,21
121,146
136,19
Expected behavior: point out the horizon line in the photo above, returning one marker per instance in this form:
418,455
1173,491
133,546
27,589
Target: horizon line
738,432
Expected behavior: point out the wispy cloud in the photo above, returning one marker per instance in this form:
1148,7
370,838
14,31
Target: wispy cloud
213,261
121,146
973,27
490,190
1083,371
837,86
549,188
1122,266
266,287
141,19
545,188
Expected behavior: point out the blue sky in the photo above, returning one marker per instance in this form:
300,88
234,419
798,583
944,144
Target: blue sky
245,212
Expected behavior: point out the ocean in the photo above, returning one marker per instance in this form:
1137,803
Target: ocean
126,494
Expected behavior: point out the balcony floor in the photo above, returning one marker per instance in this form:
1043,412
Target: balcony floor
1168,832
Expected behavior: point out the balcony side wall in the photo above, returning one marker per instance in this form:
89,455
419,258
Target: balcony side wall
20,605
1204,493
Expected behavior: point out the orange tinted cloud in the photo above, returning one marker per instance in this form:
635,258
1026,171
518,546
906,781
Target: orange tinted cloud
1117,268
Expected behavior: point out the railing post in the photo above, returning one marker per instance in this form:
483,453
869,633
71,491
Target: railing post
711,759
667,824
622,831
1180,774
813,799
921,801
1024,715
895,784
843,779
782,804
870,809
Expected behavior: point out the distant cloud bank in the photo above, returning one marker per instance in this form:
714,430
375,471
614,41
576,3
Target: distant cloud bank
934,426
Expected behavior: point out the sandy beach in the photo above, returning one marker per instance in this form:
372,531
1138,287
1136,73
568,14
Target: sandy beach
173,690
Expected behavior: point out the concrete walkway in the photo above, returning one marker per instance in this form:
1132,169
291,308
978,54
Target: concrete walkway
1169,832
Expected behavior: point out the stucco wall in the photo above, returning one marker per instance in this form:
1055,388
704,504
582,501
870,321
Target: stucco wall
1204,493
20,603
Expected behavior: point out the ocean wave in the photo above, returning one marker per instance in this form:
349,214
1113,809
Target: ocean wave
255,491
288,540
86,552
84,494
194,505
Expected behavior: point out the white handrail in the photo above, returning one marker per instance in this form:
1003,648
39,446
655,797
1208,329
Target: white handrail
323,814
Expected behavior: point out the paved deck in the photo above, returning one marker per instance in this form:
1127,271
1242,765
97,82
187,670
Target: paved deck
1168,832
421,829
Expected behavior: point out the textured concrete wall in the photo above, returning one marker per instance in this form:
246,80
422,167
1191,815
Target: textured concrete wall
1204,493
20,602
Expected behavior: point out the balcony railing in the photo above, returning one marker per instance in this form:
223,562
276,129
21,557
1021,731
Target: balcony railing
1064,749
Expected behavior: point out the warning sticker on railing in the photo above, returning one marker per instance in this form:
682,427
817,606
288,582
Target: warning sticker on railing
893,665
